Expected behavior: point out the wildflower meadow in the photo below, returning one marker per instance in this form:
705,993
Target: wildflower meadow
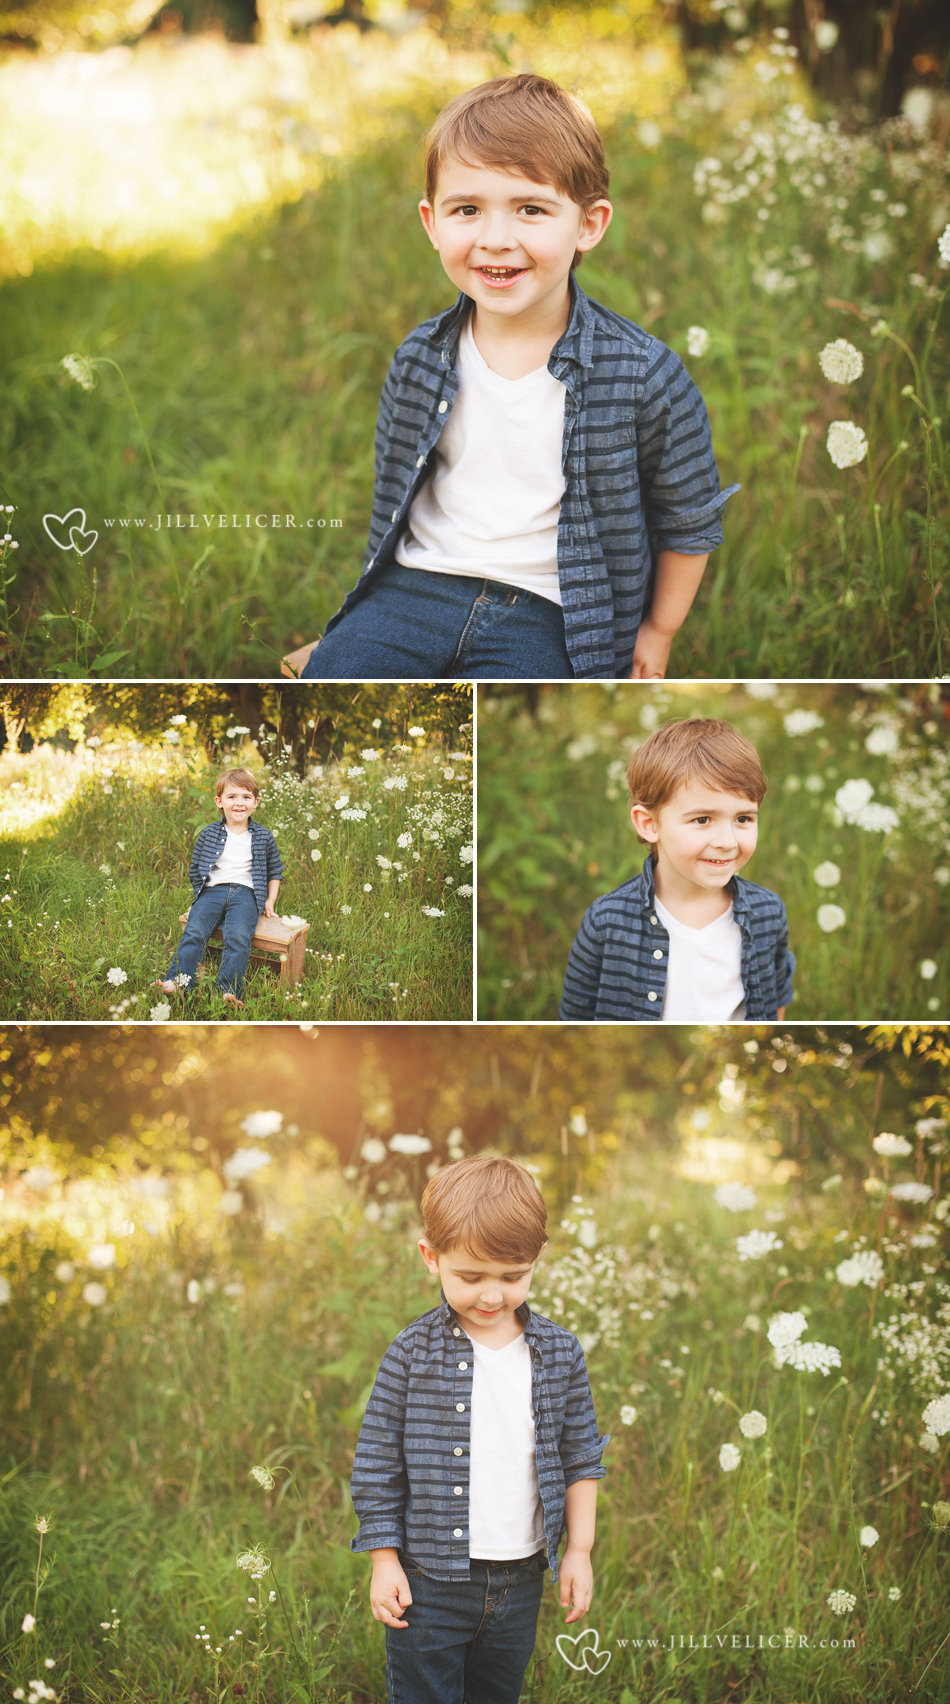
376,844
852,833
211,252
748,1237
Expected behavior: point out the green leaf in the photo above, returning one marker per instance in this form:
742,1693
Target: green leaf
107,658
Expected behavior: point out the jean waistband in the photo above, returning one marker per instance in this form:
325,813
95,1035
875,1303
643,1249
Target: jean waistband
506,1562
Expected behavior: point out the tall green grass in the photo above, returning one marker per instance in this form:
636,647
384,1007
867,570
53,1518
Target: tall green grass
555,832
100,882
135,1417
256,371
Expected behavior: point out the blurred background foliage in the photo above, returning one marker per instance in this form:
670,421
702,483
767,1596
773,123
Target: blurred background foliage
300,723
851,51
89,1103
555,832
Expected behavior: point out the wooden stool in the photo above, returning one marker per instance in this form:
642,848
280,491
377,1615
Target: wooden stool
287,940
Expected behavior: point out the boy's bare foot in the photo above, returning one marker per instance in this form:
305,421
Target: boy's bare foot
293,664
232,1000
166,987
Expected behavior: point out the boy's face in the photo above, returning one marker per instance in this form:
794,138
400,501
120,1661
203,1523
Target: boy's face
482,1292
702,836
506,241
237,803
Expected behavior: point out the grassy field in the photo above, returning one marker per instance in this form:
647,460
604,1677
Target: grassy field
554,833
95,847
252,297
158,1350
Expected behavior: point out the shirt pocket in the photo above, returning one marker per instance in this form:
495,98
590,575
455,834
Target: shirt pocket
611,461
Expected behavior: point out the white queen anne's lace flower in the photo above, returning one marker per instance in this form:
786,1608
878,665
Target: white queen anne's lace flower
936,1416
841,362
865,1267
846,443
802,722
894,1147
840,1602
831,917
262,1124
916,1192
244,1162
852,797
264,1477
409,1144
729,1458
735,1197
117,977
373,1151
785,1328
756,1244
753,1424
697,340
869,1535
627,1415
943,249
827,875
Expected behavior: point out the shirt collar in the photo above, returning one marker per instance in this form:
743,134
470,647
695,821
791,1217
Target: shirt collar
649,891
576,343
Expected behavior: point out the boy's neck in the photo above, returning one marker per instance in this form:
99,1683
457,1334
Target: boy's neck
687,901
495,1336
514,345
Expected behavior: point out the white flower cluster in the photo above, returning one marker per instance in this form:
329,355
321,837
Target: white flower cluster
865,1267
784,1334
243,1163
756,1244
735,1197
846,443
893,1147
915,1340
841,362
854,801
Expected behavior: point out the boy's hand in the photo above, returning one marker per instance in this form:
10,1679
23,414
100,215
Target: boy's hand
389,1592
269,908
576,1579
652,653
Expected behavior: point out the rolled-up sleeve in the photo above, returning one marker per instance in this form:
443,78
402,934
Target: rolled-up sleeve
379,1484
679,478
275,868
582,976
580,1445
784,966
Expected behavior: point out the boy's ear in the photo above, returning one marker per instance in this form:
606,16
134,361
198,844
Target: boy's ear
645,824
428,219
429,1256
596,220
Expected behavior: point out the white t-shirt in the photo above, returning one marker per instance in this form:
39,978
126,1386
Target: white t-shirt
234,861
704,979
490,506
505,1513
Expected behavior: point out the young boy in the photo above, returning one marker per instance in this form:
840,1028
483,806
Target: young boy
235,873
688,940
546,493
478,1449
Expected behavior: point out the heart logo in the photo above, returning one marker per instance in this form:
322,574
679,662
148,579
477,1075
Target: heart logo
593,1660
75,532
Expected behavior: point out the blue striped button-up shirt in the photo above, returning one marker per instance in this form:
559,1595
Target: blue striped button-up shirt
414,1443
621,953
265,858
640,475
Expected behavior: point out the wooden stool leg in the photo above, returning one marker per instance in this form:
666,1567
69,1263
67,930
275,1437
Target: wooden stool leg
295,957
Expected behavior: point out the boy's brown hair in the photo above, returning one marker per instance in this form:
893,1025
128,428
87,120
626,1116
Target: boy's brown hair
523,123
236,778
488,1205
699,749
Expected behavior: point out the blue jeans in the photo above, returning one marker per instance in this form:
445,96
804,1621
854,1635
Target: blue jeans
235,908
468,1641
414,625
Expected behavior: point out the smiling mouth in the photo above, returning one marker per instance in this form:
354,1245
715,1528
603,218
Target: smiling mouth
501,274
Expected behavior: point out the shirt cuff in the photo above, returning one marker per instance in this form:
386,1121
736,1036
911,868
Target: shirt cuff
694,532
387,1538
587,1467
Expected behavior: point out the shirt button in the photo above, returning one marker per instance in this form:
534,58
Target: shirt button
455,1331
456,1451
658,953
443,408
652,919
395,513
458,1532
420,461
460,1406
651,996
457,1490
463,1366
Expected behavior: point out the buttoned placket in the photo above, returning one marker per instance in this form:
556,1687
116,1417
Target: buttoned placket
462,1377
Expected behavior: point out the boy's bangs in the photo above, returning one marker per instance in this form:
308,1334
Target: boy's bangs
485,1203
703,749
524,124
